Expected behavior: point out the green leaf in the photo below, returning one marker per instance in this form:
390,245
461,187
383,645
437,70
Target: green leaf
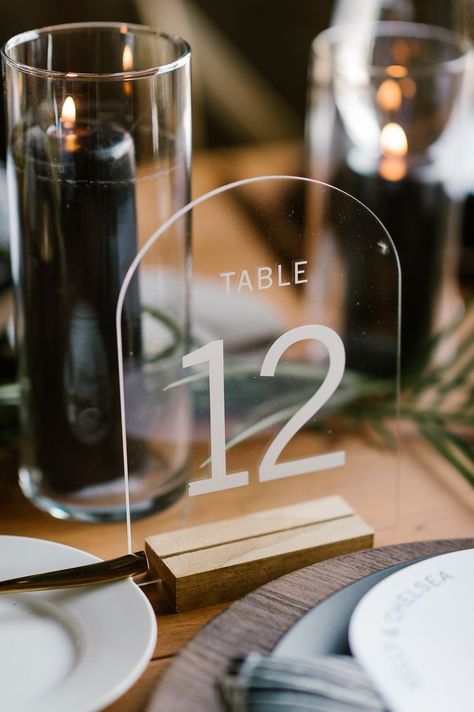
448,446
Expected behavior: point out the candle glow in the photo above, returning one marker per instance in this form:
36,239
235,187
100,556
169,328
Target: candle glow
393,140
394,147
408,87
127,64
397,71
389,95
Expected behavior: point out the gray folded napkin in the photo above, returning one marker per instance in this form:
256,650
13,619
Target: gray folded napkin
332,683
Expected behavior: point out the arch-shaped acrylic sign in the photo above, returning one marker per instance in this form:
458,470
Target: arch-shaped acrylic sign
264,371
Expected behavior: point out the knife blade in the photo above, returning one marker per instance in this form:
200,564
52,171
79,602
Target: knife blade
78,576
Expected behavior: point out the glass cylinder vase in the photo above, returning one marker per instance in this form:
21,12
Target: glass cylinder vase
386,116
99,143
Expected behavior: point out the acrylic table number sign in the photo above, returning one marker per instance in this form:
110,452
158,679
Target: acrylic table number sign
285,402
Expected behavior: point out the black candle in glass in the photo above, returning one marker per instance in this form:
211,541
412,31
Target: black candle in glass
98,120
412,204
385,104
76,183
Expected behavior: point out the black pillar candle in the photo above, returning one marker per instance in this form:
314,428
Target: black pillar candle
77,237
413,206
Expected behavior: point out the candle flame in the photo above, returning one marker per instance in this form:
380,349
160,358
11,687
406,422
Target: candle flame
127,64
389,95
68,121
393,141
394,146
68,113
127,59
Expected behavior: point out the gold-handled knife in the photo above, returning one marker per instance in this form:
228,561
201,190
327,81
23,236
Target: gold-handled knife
77,576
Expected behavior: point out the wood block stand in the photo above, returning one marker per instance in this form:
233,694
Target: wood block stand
218,562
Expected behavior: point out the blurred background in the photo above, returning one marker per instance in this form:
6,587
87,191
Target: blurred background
249,61
250,57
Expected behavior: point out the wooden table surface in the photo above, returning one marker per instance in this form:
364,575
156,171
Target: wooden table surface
435,502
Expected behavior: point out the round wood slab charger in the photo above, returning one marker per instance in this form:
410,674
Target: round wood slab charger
258,621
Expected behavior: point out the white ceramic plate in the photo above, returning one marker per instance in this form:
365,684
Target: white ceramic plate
75,650
413,633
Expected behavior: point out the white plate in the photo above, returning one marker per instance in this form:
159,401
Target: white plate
413,632
75,650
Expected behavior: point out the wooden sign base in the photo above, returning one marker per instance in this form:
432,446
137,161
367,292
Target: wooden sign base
222,561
